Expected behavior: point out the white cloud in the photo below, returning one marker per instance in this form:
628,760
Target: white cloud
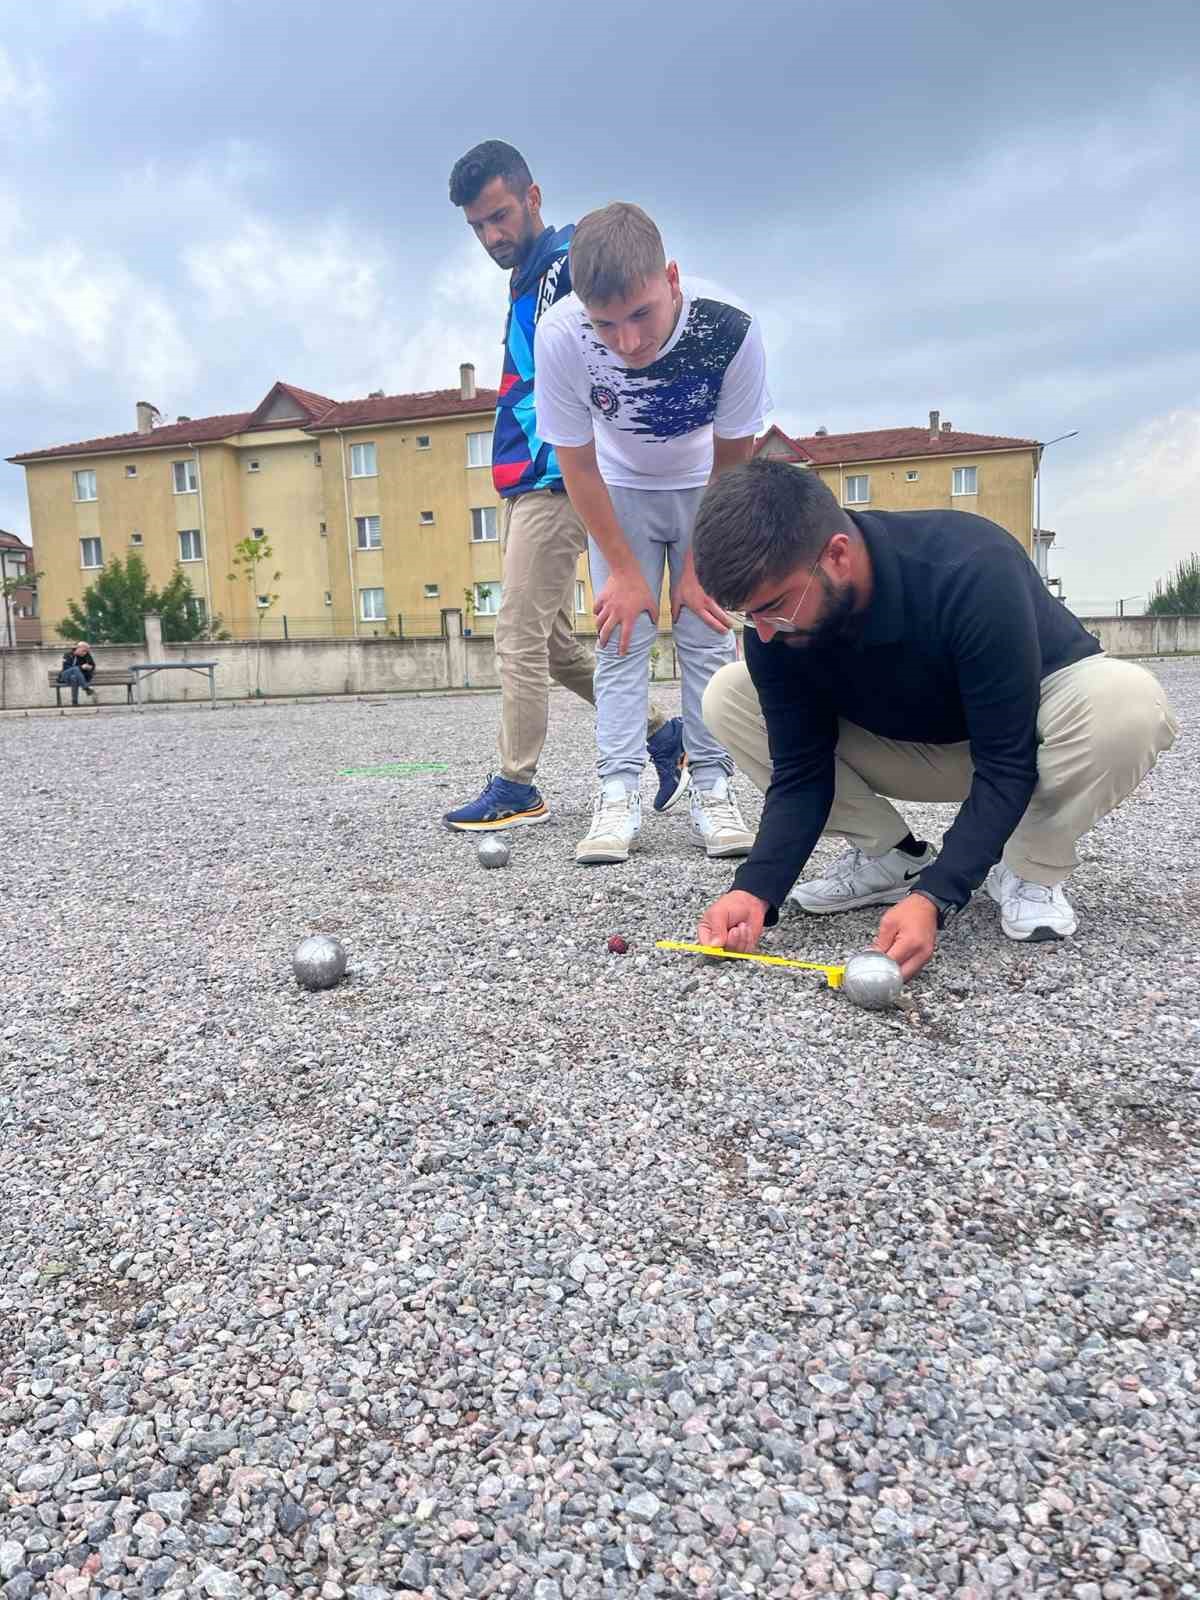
1124,519
344,314
68,315
24,92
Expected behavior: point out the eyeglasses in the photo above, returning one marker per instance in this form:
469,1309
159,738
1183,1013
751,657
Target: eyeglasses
751,619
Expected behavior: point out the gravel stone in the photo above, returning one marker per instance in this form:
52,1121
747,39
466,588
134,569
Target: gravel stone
508,1267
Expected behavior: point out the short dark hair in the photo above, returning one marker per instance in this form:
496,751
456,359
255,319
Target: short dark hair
761,521
491,159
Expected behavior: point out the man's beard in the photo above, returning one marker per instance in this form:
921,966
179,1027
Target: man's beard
839,623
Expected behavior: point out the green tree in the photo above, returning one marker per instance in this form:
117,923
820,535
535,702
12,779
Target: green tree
112,608
8,588
1180,595
248,556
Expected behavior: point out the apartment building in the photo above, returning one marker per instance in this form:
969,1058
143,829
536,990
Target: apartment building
378,512
920,469
19,622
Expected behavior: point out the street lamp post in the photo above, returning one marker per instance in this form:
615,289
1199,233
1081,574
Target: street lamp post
1042,448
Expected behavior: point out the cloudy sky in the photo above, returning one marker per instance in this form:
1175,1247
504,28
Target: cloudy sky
991,211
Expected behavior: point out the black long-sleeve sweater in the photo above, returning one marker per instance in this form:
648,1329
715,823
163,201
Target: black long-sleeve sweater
954,644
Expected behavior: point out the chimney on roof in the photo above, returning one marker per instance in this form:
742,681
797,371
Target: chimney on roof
147,416
935,418
821,433
375,394
183,419
946,426
466,380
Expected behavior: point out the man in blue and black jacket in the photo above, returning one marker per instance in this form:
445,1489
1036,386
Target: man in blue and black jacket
916,656
542,535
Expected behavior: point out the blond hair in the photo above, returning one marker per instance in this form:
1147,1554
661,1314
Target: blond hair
613,252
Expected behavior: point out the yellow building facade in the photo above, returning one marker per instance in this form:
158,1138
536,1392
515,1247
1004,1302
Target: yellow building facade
922,469
378,513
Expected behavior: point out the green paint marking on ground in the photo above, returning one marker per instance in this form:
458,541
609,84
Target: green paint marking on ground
396,769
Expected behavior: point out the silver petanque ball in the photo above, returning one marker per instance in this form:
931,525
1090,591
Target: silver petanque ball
319,961
492,851
872,980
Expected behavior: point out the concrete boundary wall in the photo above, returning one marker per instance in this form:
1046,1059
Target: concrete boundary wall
284,667
1146,636
387,666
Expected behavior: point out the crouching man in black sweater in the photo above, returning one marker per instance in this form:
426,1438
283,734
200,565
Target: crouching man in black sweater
919,655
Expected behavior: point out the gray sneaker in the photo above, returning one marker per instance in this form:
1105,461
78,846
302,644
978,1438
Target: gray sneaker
856,879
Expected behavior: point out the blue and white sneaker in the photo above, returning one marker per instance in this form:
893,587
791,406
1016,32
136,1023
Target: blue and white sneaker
671,763
503,804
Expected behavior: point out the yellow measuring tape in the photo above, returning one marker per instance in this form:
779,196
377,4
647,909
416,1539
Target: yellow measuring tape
833,975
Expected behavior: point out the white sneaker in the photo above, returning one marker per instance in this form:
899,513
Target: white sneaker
1030,911
856,879
719,822
616,823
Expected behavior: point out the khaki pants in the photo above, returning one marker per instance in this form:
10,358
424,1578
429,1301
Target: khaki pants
1101,726
535,641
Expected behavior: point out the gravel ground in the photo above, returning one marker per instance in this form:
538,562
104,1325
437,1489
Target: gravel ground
514,1267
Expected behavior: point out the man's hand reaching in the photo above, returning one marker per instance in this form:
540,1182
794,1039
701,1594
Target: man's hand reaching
734,922
908,933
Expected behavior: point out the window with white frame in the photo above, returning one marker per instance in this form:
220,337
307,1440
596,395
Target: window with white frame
370,536
131,472
184,476
329,597
425,518
423,441
911,477
372,607
483,524
965,480
580,597
316,458
858,489
254,466
479,449
189,544
198,608
487,599
362,461
85,485
90,553
264,601
258,533
433,591
136,538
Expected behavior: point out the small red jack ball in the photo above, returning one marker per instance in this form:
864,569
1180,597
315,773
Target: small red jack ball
617,945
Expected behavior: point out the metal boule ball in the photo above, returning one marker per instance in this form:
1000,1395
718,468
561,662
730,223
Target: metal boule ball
492,852
872,980
319,961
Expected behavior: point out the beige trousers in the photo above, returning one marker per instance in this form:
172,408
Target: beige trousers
1101,726
535,636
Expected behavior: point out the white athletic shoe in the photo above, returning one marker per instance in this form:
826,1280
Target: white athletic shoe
1030,911
719,822
616,823
856,879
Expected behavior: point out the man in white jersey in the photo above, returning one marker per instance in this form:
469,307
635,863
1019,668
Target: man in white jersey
647,394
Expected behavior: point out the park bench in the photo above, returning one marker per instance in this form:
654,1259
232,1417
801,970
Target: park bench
100,678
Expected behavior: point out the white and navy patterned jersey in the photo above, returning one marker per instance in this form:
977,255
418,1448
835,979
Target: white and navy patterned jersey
653,426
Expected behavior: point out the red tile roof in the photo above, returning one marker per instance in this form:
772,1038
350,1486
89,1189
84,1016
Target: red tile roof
13,541
199,431
404,408
888,444
324,415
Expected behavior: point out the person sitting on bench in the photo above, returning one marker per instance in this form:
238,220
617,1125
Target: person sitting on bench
77,668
